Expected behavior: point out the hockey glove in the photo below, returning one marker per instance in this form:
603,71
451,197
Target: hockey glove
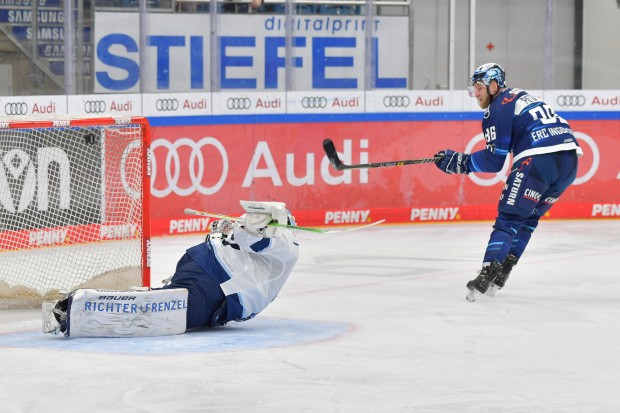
254,222
276,209
453,162
257,224
271,232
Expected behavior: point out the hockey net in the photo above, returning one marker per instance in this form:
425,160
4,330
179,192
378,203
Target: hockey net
74,206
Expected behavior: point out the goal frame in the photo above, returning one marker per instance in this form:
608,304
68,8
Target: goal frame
67,121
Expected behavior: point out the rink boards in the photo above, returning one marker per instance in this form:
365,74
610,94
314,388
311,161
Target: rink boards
212,166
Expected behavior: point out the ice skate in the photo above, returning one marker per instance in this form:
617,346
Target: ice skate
500,280
55,316
481,283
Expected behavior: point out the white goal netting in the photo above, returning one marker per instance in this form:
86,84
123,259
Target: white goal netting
72,207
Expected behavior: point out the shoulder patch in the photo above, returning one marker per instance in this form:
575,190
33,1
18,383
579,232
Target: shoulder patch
512,94
524,101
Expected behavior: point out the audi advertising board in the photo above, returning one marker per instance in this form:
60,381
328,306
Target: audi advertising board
414,100
256,103
329,52
208,162
244,103
176,104
326,102
590,100
37,106
193,167
114,105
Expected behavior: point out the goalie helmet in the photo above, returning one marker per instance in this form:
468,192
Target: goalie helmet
485,74
223,228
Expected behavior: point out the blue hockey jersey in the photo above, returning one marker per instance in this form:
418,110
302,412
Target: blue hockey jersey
519,123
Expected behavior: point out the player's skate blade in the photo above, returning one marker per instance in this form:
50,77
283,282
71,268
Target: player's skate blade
472,294
493,288
481,283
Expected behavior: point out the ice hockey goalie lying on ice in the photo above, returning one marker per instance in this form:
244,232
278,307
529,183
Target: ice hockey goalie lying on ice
233,275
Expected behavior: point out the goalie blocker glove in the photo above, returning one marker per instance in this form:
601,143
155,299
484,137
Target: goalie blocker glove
452,162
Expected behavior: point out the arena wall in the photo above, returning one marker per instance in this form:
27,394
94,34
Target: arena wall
211,150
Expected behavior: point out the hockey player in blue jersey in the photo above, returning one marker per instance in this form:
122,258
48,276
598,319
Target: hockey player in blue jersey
233,275
544,165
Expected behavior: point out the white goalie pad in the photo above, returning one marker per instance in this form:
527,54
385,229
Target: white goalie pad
108,313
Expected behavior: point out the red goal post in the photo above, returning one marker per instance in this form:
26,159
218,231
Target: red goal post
74,206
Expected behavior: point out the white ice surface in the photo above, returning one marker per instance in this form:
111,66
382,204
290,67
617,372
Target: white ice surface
370,321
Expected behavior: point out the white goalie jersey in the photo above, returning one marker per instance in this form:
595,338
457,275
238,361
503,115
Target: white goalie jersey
258,269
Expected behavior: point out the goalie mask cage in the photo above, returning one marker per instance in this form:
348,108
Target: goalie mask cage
74,206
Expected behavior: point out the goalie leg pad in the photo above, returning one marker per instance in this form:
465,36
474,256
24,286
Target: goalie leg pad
109,313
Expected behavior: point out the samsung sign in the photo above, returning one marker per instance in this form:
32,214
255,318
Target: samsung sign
328,52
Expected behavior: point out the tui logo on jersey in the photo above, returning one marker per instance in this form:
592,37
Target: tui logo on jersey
508,100
526,162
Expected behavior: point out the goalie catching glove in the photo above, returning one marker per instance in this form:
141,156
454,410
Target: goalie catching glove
259,215
452,162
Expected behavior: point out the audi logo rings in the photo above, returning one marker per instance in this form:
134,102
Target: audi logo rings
316,102
164,105
570,100
396,101
94,106
238,103
197,168
16,108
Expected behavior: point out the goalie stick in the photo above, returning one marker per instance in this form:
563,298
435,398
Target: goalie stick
190,211
332,155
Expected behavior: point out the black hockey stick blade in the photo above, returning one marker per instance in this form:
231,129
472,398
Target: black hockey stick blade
332,155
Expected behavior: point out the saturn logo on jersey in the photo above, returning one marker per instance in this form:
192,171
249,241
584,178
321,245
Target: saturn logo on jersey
514,188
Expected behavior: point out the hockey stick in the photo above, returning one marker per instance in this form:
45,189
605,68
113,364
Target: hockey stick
189,211
332,155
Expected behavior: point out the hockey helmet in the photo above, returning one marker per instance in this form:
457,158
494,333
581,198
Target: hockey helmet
484,74
221,228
